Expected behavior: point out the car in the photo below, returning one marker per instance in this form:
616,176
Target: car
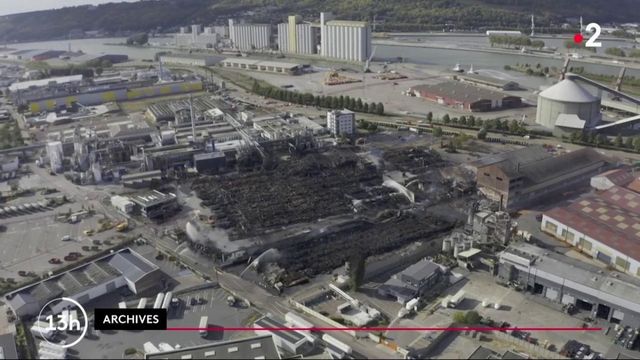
539,217
55,261
193,302
201,301
89,232
66,238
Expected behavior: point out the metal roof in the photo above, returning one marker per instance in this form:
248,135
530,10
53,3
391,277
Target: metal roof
523,156
8,346
44,82
256,62
611,217
610,286
257,347
130,266
568,91
570,121
291,336
151,198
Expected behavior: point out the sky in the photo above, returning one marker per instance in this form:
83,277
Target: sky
18,6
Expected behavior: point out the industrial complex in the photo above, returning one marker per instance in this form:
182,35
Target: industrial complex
272,190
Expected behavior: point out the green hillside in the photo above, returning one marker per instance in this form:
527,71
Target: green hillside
397,15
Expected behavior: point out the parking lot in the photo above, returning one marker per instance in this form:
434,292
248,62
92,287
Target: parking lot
519,310
111,344
31,240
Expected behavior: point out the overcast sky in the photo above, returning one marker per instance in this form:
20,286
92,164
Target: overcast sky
18,6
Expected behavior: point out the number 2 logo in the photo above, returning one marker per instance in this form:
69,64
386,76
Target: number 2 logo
595,28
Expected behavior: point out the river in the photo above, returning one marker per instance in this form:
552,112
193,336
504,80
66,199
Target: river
446,58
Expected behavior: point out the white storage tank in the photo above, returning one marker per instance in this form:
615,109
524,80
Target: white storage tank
567,97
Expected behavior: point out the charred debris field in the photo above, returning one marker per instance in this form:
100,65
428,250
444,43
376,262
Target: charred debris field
320,185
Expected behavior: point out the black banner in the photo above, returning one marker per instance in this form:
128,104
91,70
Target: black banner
130,319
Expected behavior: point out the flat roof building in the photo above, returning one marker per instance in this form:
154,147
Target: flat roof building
466,96
260,65
519,179
154,204
88,281
490,82
412,282
190,59
257,347
604,295
291,341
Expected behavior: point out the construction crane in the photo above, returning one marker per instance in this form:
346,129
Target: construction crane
366,64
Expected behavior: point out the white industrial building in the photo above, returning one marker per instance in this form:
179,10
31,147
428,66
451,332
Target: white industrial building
288,340
566,107
296,37
88,282
248,37
344,40
123,204
197,38
9,166
190,59
341,122
264,66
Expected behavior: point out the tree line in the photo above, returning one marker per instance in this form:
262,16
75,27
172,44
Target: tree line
515,41
331,102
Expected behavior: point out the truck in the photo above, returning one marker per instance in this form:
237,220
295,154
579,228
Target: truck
204,323
158,303
149,348
456,299
43,330
231,300
167,300
122,305
122,226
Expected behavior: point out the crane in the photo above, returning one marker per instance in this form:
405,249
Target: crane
366,64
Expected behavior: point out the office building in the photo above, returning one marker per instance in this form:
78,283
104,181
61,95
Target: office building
154,204
529,176
600,294
296,37
344,40
256,347
249,37
341,122
604,225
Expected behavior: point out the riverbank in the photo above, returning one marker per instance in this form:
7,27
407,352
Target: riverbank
395,43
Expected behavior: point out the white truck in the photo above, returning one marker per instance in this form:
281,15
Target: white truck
149,348
339,345
456,299
158,303
204,323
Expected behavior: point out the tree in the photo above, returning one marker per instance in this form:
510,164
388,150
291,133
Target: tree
615,52
359,104
356,270
636,144
430,117
482,133
380,109
437,132
446,119
472,318
618,142
628,143
365,107
463,120
459,317
373,108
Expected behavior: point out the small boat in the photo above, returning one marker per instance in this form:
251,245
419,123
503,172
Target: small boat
457,68
471,71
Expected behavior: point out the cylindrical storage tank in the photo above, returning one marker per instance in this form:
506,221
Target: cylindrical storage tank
567,97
